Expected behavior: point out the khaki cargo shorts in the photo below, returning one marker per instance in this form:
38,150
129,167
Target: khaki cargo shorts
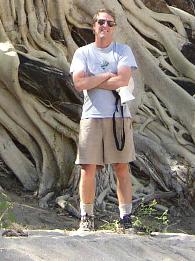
97,143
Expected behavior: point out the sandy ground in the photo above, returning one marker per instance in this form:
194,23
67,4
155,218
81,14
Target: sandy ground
59,246
29,215
47,239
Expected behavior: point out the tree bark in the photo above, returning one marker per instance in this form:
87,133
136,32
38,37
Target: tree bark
40,109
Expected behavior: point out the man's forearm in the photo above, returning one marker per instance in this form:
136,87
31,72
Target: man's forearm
118,80
114,83
91,82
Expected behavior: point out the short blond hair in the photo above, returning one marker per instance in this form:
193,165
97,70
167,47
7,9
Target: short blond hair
107,11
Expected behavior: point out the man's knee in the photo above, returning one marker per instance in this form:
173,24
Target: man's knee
121,169
88,170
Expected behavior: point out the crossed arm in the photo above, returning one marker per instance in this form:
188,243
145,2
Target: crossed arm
107,80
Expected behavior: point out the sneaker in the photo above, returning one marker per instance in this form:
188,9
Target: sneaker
86,223
125,224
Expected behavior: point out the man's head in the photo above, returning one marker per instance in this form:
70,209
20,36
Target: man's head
104,11
104,23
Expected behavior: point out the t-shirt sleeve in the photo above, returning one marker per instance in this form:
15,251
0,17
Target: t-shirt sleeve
78,63
126,58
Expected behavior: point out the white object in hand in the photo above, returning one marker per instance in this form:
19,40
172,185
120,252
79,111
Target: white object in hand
125,92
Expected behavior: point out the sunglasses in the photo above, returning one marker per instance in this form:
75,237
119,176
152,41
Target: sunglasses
103,21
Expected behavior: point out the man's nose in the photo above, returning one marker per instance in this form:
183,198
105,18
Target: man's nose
105,24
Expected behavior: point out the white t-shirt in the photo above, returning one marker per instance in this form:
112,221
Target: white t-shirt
100,103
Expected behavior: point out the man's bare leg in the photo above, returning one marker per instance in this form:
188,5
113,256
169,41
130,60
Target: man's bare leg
124,184
87,183
87,195
124,193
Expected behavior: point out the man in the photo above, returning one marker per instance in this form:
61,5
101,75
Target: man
98,69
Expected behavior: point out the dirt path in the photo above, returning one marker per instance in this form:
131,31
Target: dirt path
29,215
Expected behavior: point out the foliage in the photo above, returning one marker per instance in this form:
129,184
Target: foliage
148,219
111,226
7,217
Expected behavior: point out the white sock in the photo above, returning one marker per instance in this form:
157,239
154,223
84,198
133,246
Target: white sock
86,209
125,209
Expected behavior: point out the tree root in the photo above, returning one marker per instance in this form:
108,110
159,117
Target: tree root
50,137
148,198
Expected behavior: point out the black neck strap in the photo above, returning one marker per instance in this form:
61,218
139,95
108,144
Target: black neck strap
118,146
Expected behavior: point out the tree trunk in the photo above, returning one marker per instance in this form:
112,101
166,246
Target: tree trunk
40,110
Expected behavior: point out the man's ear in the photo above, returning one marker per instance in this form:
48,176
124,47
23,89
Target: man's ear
93,29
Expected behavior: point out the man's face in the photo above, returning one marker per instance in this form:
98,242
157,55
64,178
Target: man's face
104,26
